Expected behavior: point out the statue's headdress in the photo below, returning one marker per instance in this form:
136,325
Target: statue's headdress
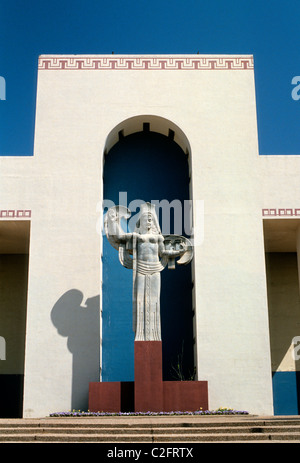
145,209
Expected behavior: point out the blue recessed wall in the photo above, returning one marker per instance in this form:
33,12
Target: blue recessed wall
146,166
286,392
284,311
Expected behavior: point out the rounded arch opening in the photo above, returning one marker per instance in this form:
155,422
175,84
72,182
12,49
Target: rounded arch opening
149,123
146,158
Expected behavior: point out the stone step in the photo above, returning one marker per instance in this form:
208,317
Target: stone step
181,423
150,430
125,438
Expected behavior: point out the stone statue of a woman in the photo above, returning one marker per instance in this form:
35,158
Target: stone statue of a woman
147,252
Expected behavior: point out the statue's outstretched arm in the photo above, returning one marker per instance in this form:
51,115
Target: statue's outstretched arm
112,225
174,246
173,252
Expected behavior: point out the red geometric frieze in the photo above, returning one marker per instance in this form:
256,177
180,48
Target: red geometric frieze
15,214
145,63
281,212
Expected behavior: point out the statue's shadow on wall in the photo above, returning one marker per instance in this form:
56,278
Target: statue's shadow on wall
79,321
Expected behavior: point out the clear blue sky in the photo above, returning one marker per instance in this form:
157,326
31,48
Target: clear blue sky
270,30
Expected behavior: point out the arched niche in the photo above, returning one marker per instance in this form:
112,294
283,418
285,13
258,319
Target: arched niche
146,157
150,123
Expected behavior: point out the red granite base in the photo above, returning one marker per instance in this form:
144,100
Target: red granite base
105,397
148,392
111,397
148,384
185,396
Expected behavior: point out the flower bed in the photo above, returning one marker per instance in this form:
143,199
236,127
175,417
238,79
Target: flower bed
219,411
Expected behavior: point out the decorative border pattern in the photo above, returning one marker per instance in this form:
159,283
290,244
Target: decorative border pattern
145,63
281,212
15,214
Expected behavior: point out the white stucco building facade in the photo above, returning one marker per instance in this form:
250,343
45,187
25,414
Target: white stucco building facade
51,205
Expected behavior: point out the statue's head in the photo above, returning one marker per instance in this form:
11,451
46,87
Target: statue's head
147,221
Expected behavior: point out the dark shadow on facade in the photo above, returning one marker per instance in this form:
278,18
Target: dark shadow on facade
79,320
